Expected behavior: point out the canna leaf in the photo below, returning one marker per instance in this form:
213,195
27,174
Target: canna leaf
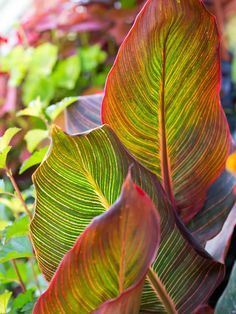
85,114
220,197
109,260
79,180
162,99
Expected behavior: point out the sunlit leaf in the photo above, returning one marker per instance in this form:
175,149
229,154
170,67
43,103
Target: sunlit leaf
35,159
84,114
79,180
162,99
4,299
127,236
4,145
34,138
53,111
34,109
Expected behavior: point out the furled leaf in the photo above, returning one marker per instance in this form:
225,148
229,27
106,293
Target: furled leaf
53,111
4,145
34,138
35,159
79,180
162,99
15,248
20,227
227,302
85,114
109,260
4,299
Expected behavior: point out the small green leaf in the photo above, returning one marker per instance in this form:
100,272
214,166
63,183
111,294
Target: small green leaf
34,138
43,60
67,72
3,224
91,57
22,299
36,86
4,299
35,159
20,227
54,110
34,109
7,137
4,145
16,248
227,302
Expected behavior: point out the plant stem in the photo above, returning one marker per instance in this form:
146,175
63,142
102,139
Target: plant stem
18,192
161,292
18,275
34,274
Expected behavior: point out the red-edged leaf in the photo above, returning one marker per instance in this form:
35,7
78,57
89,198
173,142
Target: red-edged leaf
162,99
109,260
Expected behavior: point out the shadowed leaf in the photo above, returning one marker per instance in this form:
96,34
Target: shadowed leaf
85,114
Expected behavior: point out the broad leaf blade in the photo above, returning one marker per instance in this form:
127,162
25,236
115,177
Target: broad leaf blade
80,178
109,260
85,114
162,99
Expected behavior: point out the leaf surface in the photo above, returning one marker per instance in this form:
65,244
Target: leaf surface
109,260
162,99
80,179
227,302
85,114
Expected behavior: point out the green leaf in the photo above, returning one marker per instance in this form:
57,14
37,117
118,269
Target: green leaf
84,114
91,57
227,302
7,137
53,111
43,60
9,276
4,145
34,138
34,109
22,299
162,100
15,248
20,227
67,72
79,180
112,237
17,63
35,159
38,87
4,299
